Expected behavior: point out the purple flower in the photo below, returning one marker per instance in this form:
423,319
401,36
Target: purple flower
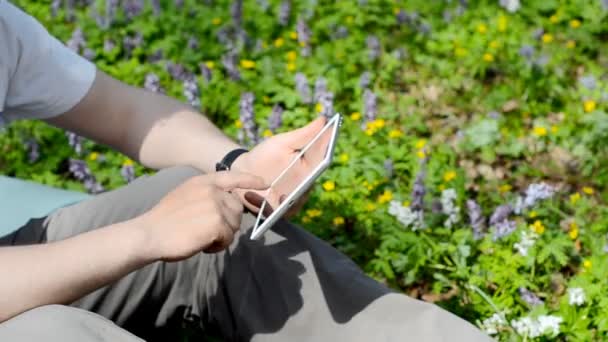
418,189
320,88
247,118
192,43
89,54
503,228
476,218
326,99
93,186
303,37
77,42
400,53
79,169
229,63
132,8
302,88
130,43
275,120
527,51
501,213
75,141
55,7
604,4
263,5
178,3
373,45
370,105
535,192
128,172
389,168
156,56
588,82
192,92
538,33
284,12
365,80
152,83
236,11
205,71
106,21
108,45
341,32
177,71
156,7
33,150
529,297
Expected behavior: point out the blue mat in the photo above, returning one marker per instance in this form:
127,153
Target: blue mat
22,200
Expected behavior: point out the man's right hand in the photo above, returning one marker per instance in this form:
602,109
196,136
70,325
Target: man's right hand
202,214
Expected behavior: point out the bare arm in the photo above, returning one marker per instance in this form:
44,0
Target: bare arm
152,128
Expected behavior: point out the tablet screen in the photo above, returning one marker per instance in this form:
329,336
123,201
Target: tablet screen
298,177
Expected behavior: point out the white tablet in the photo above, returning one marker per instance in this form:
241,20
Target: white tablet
317,154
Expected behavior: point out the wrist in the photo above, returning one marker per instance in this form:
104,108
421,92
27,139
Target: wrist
143,246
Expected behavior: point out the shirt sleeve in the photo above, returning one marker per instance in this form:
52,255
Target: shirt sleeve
45,78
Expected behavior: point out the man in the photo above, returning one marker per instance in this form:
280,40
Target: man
173,248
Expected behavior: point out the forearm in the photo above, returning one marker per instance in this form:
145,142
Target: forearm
64,271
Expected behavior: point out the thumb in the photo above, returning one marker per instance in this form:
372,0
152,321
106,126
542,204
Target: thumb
228,180
298,138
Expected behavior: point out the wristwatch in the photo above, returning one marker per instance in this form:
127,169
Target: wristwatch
226,162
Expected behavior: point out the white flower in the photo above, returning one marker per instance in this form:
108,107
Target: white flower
491,324
535,327
405,215
527,241
510,5
448,207
576,296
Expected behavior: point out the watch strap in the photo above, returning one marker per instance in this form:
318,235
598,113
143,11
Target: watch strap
230,157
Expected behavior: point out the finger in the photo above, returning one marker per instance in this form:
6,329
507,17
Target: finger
228,180
225,239
257,201
232,210
298,138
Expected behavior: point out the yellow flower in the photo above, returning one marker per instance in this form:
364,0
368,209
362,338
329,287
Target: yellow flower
540,131
420,144
396,10
210,64
554,129
370,207
291,56
93,156
538,227
279,42
355,116
368,186
449,176
329,185
575,197
370,130
573,233
421,154
589,106
441,187
575,23
488,57
532,214
312,213
587,263
267,133
128,162
547,38
460,52
385,197
406,203
216,21
318,108
395,133
571,44
338,221
482,28
588,190
343,158
238,124
378,123
554,19
293,35
291,66
505,188
306,219
502,23
494,44
247,64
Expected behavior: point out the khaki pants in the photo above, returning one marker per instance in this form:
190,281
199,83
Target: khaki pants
287,286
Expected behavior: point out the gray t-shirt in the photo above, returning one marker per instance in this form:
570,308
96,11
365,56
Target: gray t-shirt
39,76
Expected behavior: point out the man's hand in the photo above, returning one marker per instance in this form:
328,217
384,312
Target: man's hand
272,156
202,214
